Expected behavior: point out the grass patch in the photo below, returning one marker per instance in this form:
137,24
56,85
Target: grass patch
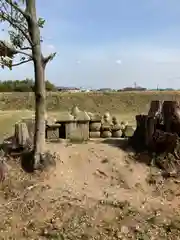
9,118
7,121
123,105
122,102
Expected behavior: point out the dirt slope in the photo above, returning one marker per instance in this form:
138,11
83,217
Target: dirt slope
97,191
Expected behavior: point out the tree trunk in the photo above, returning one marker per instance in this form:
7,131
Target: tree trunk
40,110
40,94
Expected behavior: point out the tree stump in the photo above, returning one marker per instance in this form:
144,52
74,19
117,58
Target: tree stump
171,116
150,129
156,112
164,142
138,140
159,133
167,148
155,108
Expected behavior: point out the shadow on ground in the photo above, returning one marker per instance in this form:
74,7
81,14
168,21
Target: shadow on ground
122,143
13,152
27,162
166,162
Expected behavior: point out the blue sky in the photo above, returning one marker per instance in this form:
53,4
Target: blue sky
103,43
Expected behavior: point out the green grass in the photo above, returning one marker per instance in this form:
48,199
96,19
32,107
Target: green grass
124,105
119,103
9,118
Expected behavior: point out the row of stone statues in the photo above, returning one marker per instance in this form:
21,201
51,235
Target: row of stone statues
109,127
76,124
105,126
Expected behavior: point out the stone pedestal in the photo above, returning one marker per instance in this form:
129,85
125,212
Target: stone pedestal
52,131
74,129
95,128
78,130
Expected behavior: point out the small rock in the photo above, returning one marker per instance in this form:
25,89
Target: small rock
124,229
105,160
129,131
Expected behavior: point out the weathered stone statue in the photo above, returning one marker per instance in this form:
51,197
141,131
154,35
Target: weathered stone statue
106,126
116,128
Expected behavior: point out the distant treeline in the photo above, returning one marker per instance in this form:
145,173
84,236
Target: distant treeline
131,89
128,89
164,89
26,85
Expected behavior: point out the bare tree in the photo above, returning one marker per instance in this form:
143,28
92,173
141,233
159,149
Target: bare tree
25,42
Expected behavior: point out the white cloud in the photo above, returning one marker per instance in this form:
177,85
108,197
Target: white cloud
147,65
50,46
118,61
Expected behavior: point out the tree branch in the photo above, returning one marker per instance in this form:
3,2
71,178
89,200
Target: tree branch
24,53
22,62
12,50
25,48
3,5
19,28
48,58
15,6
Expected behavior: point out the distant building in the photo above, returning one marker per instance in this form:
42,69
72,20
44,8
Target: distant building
85,90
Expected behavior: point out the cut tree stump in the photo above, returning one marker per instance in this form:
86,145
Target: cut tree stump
171,116
164,142
138,140
150,129
155,108
159,133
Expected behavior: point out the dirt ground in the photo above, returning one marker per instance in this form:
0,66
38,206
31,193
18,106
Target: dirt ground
96,191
